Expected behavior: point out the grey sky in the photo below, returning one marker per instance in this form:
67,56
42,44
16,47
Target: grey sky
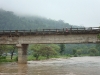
75,12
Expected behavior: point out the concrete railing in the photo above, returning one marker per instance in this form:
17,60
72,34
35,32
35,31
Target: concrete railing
90,30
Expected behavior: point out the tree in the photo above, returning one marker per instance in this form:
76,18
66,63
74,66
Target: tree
46,50
36,50
93,52
11,49
98,47
79,52
62,48
74,52
3,48
56,48
49,50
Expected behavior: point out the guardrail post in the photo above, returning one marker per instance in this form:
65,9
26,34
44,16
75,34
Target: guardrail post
16,32
10,32
36,31
49,31
43,31
3,32
30,31
63,30
84,29
71,30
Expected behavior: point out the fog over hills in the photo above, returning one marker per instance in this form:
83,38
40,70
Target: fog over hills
11,21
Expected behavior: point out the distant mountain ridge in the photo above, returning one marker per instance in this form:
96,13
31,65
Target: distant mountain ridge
10,21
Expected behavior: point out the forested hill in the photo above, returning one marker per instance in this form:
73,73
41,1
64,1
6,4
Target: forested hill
10,21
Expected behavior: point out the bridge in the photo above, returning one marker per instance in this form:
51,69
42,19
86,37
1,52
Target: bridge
21,38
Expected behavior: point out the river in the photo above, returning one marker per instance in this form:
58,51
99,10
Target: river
71,66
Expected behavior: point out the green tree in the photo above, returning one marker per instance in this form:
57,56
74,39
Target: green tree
36,50
98,47
75,52
56,48
47,51
62,49
12,49
8,48
93,52
79,52
50,50
3,49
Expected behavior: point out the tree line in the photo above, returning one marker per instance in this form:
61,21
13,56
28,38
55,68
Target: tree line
68,50
54,50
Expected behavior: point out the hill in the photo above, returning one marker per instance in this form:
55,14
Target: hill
10,21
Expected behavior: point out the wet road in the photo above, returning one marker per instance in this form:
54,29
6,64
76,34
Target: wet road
70,66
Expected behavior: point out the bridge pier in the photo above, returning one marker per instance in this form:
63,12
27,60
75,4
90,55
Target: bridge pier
22,53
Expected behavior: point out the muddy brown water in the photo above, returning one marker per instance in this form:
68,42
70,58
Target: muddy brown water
70,66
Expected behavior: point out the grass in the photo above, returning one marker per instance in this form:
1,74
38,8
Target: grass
29,58
8,59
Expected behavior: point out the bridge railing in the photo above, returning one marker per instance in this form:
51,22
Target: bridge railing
51,31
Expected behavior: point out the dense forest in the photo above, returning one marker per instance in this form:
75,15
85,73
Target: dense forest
10,21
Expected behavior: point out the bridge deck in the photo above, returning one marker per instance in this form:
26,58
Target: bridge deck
90,30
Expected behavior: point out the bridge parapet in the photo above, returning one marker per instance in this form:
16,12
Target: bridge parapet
64,31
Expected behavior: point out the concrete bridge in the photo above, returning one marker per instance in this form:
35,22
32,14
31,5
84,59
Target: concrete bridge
66,35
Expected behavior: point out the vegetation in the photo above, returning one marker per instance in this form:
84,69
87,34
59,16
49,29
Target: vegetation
62,49
6,53
46,51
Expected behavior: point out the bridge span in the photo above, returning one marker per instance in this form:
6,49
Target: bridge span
24,37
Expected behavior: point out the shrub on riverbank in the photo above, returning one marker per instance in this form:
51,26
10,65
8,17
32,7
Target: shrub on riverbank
7,59
2,57
31,57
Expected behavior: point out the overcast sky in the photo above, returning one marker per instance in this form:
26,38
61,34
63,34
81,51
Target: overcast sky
75,12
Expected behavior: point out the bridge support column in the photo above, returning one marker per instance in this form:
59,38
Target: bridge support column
22,53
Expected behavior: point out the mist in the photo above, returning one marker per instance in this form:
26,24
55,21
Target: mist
76,12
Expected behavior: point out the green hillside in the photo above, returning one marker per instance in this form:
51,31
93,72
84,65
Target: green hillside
10,21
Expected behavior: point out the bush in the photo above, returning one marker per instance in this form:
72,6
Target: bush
16,59
5,60
92,54
2,57
75,55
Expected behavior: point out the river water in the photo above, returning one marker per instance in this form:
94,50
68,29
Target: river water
70,66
